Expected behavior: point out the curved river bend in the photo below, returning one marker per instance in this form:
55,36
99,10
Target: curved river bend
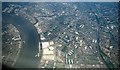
28,34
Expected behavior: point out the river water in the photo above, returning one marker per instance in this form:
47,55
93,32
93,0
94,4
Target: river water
28,34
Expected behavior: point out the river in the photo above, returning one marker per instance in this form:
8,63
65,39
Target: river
28,34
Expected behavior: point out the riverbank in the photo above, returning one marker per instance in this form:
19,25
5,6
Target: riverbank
28,34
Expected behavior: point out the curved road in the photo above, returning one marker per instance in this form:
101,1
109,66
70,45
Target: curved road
28,34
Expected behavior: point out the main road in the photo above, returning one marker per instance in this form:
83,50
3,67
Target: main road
28,34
